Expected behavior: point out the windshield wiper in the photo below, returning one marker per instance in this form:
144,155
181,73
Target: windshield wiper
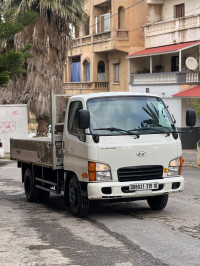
118,130
149,128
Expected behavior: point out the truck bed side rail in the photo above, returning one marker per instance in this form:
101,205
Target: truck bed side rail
58,109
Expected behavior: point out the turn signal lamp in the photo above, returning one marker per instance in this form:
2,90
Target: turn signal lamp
99,172
175,167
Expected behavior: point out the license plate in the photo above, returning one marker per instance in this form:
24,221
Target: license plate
143,186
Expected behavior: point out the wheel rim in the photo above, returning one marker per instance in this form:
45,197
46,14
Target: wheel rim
73,195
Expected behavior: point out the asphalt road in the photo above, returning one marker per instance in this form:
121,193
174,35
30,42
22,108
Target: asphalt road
113,234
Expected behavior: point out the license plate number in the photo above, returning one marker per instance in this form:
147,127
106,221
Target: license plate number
144,186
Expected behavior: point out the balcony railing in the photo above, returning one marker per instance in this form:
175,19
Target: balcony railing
122,33
102,36
101,84
166,78
168,32
87,86
86,39
172,25
81,41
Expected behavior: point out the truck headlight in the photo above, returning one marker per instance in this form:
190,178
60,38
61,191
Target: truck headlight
99,172
175,167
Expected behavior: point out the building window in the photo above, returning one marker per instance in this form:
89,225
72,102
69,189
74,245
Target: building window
72,125
179,11
103,23
74,31
174,63
121,17
116,73
76,69
86,70
101,75
87,26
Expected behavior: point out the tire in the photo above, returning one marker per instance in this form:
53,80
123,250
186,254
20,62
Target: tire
66,195
30,191
43,195
158,202
78,204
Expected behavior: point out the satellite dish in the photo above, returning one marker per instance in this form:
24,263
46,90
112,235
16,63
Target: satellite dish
191,63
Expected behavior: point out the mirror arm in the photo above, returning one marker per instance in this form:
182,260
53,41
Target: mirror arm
94,137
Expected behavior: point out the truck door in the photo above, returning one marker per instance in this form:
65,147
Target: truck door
75,150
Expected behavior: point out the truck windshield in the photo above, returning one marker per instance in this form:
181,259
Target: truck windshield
129,114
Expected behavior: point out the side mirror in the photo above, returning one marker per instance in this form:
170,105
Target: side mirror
83,119
190,117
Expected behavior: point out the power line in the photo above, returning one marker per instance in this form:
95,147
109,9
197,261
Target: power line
151,24
115,14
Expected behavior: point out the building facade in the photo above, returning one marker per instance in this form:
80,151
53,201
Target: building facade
169,63
97,59
139,45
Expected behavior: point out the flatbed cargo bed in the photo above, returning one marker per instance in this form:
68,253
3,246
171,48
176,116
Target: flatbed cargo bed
36,150
44,151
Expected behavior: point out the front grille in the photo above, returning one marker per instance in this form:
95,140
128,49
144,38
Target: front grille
137,173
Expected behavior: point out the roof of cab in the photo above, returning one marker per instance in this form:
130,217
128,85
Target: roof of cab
111,94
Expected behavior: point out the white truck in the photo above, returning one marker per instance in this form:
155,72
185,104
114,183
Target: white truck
104,146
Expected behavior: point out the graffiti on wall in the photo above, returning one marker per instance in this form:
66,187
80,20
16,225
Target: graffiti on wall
7,127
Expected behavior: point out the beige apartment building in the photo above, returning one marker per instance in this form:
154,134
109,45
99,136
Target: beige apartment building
97,60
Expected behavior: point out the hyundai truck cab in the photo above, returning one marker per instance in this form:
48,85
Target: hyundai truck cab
125,145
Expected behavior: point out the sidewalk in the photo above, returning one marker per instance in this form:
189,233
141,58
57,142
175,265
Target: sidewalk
190,157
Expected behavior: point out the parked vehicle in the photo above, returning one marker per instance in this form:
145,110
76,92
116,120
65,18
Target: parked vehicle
2,154
107,146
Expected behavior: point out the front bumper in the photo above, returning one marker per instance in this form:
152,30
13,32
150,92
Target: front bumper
112,190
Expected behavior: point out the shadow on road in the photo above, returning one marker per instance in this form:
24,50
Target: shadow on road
133,208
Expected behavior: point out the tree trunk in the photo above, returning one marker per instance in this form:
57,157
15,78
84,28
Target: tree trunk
44,71
42,129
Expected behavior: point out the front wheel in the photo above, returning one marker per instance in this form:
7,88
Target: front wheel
79,204
158,202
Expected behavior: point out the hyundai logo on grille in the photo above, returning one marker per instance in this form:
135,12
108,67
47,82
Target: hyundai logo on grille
141,154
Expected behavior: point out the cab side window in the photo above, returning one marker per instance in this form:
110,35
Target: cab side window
73,120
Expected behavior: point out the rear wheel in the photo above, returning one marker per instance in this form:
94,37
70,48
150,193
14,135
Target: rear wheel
79,204
30,191
158,202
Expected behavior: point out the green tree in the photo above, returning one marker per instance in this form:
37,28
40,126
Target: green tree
50,37
11,61
196,106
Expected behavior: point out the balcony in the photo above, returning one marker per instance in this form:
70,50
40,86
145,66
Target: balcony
169,32
102,3
82,41
104,41
122,34
86,87
165,78
104,36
